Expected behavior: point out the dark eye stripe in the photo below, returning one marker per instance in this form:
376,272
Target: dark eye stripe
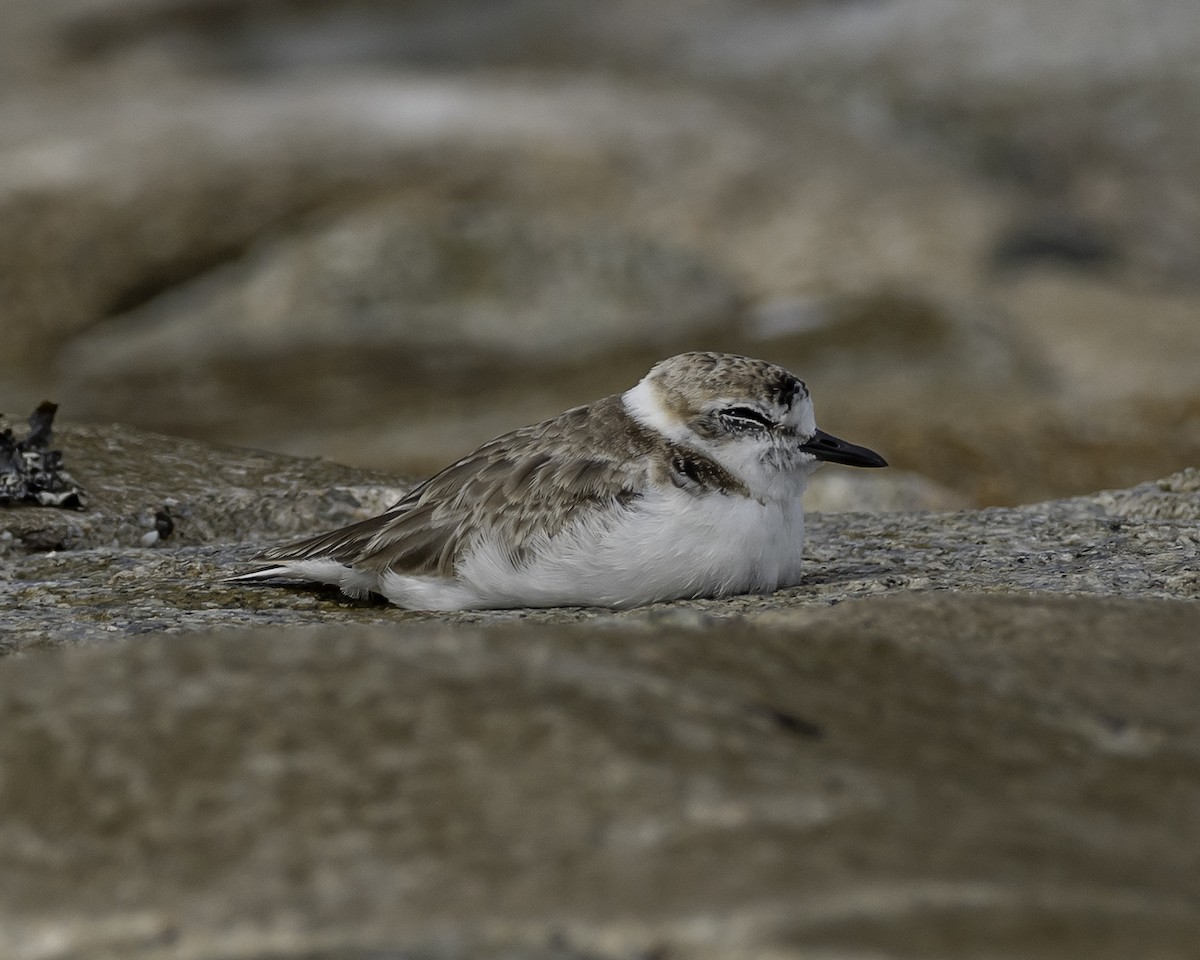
747,416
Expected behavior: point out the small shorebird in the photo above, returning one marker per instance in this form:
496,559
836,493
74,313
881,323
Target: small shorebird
686,485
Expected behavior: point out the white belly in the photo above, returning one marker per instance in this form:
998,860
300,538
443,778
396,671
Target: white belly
669,544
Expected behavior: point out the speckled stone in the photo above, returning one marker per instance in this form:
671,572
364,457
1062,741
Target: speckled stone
1137,544
965,734
935,775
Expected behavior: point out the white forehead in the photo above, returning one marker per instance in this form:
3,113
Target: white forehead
802,416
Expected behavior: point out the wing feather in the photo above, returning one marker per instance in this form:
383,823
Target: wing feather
525,486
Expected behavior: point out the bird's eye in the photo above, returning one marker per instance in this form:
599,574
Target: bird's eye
746,418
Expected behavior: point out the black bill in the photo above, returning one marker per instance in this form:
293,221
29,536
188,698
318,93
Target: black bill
824,446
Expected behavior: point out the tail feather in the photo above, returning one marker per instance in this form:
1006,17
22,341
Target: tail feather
321,570
261,575
324,558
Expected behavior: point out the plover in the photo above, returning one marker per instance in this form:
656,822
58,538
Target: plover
686,485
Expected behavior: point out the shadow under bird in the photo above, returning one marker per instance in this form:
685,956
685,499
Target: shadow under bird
686,485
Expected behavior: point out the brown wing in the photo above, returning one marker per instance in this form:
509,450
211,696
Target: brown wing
529,482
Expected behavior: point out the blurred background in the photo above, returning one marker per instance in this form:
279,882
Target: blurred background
384,231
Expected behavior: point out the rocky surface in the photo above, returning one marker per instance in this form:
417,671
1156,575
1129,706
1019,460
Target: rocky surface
110,568
385,231
1078,547
934,775
966,734
214,493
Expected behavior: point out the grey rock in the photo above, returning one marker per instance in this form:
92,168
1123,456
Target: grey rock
161,185
943,775
966,734
452,290
99,580
994,759
1176,497
212,493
